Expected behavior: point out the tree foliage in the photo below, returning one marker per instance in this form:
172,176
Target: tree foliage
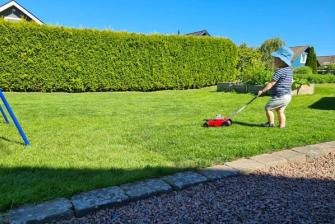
312,60
267,48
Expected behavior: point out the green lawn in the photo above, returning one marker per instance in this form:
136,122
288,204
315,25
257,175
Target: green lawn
91,140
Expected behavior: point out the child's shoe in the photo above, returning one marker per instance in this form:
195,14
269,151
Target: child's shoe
268,125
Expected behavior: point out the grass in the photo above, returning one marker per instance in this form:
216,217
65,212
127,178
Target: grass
92,140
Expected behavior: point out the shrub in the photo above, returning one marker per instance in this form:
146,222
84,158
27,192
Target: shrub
316,78
261,78
249,63
331,66
303,70
327,69
46,58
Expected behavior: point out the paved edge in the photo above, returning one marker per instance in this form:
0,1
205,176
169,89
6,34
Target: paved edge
49,211
4,218
83,203
146,188
184,179
87,202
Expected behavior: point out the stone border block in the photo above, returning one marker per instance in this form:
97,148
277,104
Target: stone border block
245,166
58,209
269,160
325,148
87,202
146,188
225,86
309,151
4,219
184,179
218,172
291,156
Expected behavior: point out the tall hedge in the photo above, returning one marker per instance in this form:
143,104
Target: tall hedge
46,58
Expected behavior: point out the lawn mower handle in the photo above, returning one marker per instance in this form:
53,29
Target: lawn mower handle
252,100
242,108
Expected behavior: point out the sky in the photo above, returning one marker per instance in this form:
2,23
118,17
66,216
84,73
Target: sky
297,22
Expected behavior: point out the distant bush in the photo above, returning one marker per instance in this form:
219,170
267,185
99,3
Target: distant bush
327,69
331,66
45,58
316,78
260,78
249,63
303,70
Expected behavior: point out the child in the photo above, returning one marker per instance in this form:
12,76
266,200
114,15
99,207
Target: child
281,87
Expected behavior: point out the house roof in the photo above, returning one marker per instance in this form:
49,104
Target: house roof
326,60
22,9
298,50
199,33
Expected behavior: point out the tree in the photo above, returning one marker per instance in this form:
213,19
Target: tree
267,48
312,61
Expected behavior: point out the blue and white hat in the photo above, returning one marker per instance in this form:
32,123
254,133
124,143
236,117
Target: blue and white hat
285,54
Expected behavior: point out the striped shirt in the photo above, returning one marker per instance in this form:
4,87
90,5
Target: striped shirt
283,78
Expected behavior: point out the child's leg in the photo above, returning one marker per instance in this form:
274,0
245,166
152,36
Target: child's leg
281,117
270,116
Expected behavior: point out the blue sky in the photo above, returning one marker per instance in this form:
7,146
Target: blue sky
297,22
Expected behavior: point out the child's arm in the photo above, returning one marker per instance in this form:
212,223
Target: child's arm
267,87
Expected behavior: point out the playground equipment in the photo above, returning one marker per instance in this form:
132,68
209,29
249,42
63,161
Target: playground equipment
12,115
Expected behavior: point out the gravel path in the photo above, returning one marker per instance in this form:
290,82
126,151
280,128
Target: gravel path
295,193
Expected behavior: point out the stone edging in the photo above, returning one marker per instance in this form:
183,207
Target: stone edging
238,87
84,203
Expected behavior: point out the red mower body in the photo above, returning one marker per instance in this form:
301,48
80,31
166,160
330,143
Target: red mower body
219,122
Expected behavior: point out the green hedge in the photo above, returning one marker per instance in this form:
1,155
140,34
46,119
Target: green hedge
46,58
316,78
249,63
303,70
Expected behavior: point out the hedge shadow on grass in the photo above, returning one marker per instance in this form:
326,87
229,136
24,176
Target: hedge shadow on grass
325,103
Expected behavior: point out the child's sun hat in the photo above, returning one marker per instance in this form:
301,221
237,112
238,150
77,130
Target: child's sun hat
285,54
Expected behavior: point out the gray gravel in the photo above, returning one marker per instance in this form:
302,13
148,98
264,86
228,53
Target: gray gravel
294,193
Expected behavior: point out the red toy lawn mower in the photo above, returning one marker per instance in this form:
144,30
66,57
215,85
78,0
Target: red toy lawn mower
220,121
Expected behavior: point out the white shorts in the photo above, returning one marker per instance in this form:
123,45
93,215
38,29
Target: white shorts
276,103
